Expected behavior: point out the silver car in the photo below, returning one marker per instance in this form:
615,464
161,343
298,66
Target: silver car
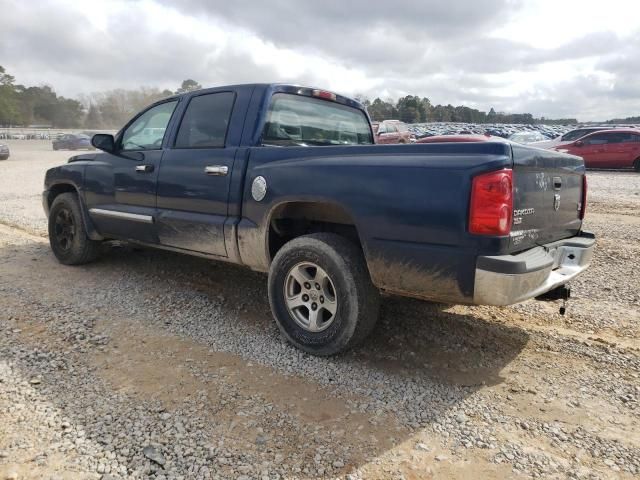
4,152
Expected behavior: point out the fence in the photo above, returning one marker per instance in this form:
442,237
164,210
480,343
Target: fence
26,133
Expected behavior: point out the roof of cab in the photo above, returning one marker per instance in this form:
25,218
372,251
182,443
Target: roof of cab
278,88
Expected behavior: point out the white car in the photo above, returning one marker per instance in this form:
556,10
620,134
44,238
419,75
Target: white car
527,137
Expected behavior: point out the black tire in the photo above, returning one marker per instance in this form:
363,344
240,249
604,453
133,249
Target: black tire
357,298
55,148
67,233
636,165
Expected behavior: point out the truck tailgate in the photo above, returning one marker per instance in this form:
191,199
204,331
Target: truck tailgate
547,196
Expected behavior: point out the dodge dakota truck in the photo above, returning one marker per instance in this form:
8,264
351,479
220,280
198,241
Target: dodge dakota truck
288,180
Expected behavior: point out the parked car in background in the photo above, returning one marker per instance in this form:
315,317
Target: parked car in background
619,148
570,136
73,141
4,152
392,131
527,137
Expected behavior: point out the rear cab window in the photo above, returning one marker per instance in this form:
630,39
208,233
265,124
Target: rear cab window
296,120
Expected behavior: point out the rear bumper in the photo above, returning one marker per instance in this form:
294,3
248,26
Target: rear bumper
509,279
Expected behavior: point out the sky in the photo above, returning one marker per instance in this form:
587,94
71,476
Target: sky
551,58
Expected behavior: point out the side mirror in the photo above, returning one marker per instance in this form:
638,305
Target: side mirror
579,143
104,142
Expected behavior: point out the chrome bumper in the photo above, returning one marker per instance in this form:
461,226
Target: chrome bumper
509,279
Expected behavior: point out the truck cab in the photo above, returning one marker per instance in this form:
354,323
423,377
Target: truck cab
288,180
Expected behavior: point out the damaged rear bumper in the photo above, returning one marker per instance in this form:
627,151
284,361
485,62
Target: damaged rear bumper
509,279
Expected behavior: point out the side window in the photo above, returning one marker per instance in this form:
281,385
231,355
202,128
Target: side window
635,138
391,128
569,137
597,139
147,131
205,121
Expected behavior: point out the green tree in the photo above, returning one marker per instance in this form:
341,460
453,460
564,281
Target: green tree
380,110
189,85
410,109
68,113
9,106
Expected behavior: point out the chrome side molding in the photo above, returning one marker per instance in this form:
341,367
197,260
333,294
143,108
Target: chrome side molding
135,217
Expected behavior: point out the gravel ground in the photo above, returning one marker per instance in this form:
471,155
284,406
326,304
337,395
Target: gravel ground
153,365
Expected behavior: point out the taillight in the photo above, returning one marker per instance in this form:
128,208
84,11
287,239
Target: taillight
491,209
583,206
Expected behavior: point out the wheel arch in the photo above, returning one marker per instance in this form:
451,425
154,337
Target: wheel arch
293,218
67,187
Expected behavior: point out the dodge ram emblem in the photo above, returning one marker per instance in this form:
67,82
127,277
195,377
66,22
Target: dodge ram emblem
556,202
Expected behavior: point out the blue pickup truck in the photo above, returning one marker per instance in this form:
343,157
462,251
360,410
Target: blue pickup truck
288,180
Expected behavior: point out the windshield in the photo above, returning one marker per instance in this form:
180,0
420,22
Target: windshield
305,121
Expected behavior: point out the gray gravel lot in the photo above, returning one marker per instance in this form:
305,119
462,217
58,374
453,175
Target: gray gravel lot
153,365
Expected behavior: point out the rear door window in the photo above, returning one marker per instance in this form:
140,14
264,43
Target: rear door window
296,120
206,121
599,139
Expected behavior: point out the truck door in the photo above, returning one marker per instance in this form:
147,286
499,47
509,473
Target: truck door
121,186
194,178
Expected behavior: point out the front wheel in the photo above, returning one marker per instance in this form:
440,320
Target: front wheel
636,165
67,235
321,294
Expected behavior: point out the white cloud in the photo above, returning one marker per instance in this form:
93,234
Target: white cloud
569,58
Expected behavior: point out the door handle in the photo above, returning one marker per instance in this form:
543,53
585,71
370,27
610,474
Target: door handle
144,168
220,170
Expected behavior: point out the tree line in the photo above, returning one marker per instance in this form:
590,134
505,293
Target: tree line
413,109
625,120
23,106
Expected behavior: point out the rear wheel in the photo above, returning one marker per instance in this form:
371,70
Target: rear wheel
636,165
321,294
67,235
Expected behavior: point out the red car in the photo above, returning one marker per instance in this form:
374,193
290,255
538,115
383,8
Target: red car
618,148
391,131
